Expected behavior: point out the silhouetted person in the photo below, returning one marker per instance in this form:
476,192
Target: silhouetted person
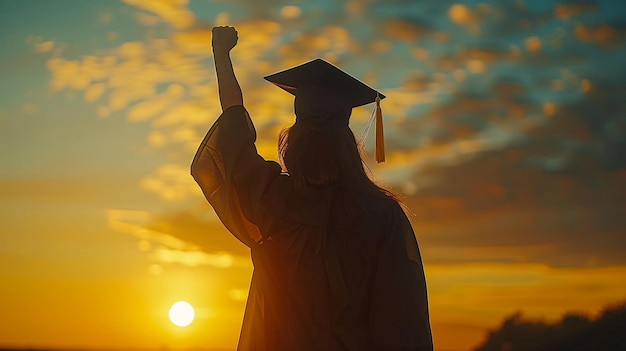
336,262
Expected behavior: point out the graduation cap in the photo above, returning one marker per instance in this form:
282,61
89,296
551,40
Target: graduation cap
349,91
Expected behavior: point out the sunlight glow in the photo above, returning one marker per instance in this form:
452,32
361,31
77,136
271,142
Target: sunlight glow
181,313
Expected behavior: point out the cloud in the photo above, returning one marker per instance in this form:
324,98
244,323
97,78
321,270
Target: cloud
330,41
191,238
462,15
403,30
194,42
533,44
196,258
567,11
148,108
483,101
40,45
133,222
174,12
166,81
67,74
198,225
94,92
468,123
134,72
290,11
505,20
532,195
45,46
603,35
147,19
171,182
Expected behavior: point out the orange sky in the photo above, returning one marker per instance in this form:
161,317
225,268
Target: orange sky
502,122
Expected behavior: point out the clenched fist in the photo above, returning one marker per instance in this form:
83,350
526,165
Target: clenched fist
224,38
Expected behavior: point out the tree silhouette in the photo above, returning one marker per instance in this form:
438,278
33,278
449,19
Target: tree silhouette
574,332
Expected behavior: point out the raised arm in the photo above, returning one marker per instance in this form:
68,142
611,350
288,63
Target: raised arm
224,39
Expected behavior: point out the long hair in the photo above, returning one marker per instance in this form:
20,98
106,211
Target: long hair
326,157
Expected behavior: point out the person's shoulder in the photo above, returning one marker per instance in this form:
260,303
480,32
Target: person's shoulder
382,203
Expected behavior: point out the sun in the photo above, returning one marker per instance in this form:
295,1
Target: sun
182,313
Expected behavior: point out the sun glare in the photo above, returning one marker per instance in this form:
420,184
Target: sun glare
181,313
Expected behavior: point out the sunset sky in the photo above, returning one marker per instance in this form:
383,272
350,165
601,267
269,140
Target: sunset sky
505,125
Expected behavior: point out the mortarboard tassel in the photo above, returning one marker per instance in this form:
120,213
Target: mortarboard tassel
380,134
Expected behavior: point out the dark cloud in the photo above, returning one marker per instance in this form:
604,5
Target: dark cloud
404,30
199,226
558,194
603,35
528,85
465,115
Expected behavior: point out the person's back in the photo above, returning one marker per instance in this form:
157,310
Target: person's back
337,266
318,264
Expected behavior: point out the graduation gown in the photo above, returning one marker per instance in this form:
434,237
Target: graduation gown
326,276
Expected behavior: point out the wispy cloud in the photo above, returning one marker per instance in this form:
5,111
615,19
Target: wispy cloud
196,258
474,91
174,12
158,238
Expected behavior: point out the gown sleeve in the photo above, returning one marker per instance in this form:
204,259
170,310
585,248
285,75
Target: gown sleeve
399,316
232,175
